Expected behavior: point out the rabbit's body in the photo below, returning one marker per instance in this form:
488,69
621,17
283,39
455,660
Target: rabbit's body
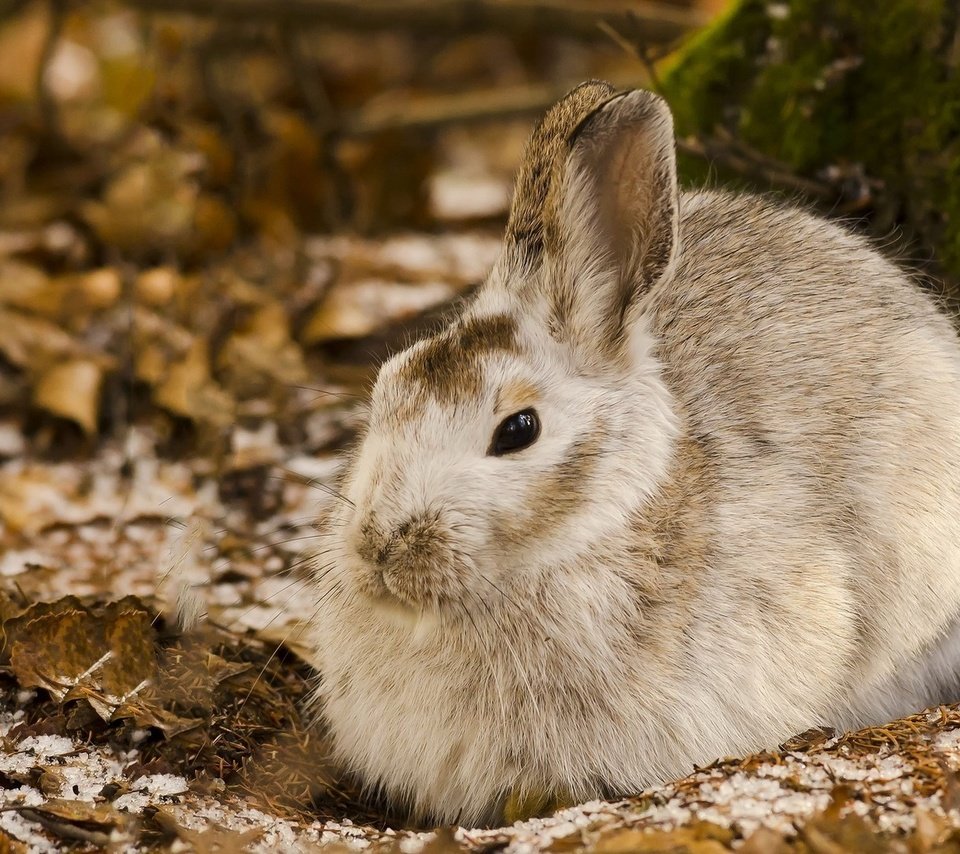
741,519
823,387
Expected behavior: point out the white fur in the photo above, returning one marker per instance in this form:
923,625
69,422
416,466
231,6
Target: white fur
818,583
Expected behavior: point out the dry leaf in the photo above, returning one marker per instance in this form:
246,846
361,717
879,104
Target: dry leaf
71,390
260,357
356,309
31,342
21,46
72,651
99,288
149,205
701,838
189,390
28,287
211,840
157,285
765,841
77,821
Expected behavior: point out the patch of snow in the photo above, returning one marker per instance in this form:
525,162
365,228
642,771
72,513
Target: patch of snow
161,785
86,775
20,828
42,746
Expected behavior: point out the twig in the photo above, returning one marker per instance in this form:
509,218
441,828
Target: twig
738,158
481,105
637,47
579,18
45,100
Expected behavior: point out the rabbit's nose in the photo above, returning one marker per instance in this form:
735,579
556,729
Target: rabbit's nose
401,543
372,544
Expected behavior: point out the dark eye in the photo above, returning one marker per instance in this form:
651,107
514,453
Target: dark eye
516,432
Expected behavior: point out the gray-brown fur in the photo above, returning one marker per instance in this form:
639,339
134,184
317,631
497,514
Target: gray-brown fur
449,365
532,217
562,487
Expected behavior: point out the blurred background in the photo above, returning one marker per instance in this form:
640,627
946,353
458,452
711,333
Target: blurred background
205,206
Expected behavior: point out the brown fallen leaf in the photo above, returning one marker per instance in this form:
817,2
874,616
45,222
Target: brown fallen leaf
190,391
100,288
101,655
71,390
21,45
26,286
765,841
211,840
128,632
149,205
808,739
157,285
148,714
33,342
77,821
355,309
261,357
700,838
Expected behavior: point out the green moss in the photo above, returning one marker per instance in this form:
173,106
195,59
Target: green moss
818,83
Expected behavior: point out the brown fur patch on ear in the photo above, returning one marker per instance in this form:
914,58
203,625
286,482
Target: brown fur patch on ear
547,148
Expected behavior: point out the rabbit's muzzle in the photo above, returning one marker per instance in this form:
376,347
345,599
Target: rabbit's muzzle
413,562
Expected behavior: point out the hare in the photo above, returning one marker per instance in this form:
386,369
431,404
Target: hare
682,480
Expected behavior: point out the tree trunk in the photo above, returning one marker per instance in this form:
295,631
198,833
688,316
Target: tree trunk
863,97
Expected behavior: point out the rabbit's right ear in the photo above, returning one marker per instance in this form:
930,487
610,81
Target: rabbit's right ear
611,219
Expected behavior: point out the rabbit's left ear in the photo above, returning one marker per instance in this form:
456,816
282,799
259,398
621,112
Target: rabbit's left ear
615,210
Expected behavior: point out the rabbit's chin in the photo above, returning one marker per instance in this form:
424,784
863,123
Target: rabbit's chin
417,621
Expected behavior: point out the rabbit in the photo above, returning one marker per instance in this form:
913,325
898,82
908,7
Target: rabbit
680,481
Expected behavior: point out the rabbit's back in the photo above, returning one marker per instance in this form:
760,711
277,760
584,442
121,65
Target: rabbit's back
823,388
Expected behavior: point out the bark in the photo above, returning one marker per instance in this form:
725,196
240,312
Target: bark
656,21
863,97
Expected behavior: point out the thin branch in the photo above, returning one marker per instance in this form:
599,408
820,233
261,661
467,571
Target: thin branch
738,158
433,111
578,18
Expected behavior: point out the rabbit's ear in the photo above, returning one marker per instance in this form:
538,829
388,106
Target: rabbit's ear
613,215
547,150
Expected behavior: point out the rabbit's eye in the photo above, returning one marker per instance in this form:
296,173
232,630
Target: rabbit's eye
516,432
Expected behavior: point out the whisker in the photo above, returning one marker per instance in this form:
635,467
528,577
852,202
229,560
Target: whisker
326,392
313,483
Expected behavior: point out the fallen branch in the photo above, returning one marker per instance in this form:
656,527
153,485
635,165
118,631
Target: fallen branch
424,112
735,156
578,18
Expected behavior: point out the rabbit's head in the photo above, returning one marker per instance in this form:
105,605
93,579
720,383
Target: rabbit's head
536,423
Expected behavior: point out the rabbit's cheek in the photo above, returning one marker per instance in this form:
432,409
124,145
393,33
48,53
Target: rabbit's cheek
559,494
